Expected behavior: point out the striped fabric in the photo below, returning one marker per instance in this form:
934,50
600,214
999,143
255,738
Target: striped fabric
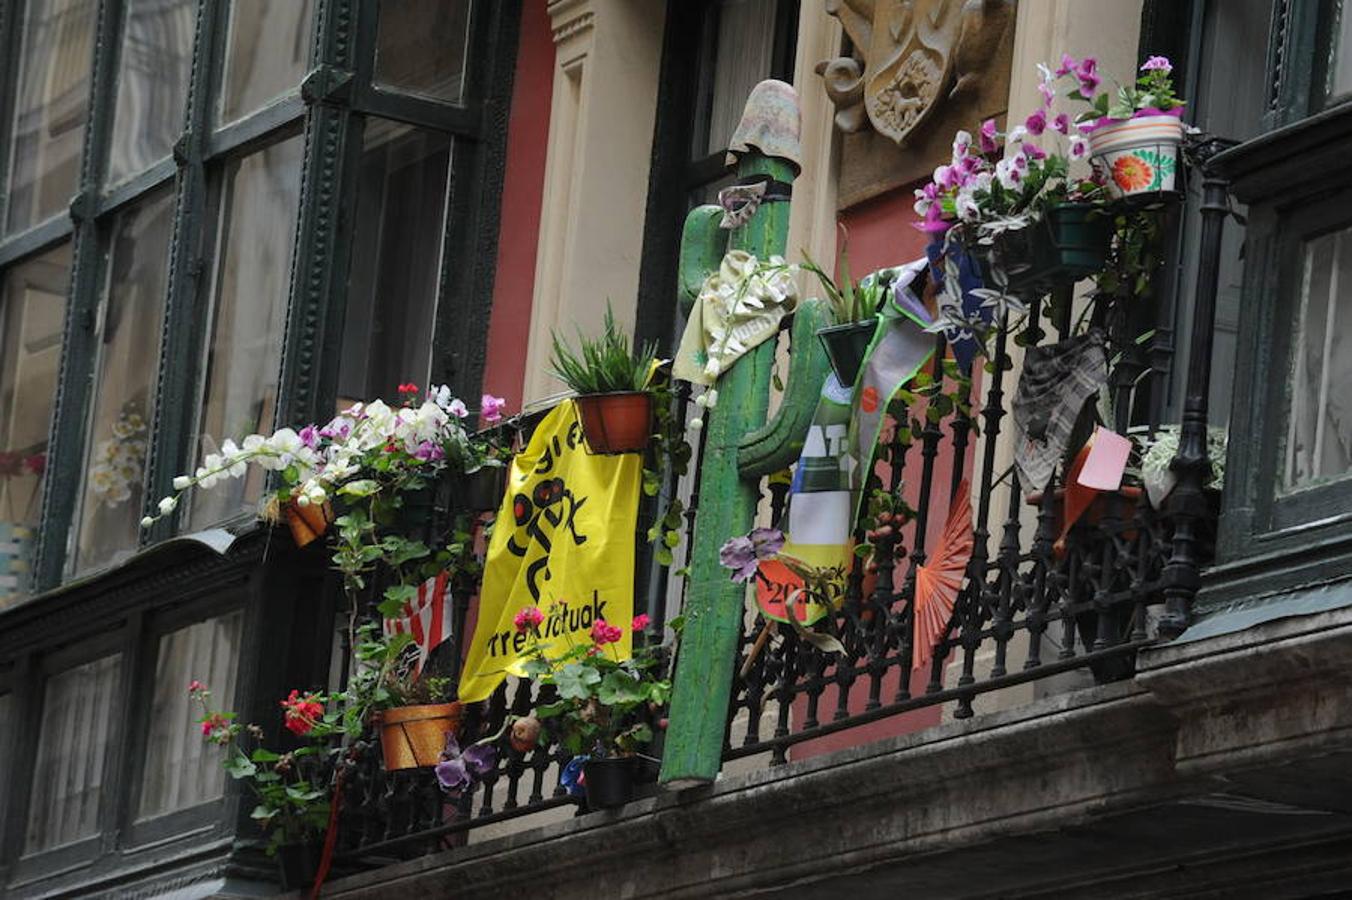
427,617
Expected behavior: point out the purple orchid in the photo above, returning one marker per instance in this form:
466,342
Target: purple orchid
987,136
743,554
459,769
1036,123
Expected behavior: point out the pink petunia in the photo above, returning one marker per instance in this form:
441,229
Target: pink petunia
490,408
1036,123
987,136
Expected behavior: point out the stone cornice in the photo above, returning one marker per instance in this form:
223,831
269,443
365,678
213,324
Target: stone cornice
570,17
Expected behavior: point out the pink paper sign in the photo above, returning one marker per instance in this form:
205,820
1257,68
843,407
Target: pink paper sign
1107,460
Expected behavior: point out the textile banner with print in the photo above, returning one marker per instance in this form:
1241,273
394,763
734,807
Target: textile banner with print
563,542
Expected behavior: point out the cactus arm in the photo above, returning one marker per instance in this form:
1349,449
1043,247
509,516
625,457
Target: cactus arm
703,245
777,444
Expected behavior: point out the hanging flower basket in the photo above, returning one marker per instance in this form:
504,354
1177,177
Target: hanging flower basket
1070,242
609,781
1138,158
846,346
414,736
614,423
309,522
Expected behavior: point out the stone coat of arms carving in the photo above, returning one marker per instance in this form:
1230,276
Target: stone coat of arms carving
916,54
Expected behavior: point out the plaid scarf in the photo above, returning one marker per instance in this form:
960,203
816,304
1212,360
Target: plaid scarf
1056,381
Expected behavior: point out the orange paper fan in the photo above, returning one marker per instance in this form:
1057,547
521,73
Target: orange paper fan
938,581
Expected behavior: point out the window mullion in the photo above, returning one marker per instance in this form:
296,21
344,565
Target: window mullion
318,297
9,68
183,324
66,454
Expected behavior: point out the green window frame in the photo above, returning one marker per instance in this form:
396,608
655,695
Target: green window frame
325,109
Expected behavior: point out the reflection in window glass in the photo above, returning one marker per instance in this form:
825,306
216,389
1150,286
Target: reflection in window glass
32,313
269,47
421,47
181,769
152,84
55,58
1319,435
256,230
742,58
1340,80
77,710
396,251
124,387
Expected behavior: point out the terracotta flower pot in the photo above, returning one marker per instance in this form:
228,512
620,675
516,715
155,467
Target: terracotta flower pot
609,781
307,522
616,423
414,736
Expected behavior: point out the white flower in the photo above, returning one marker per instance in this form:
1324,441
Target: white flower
209,474
712,395
962,143
696,424
286,445
440,395
1008,174
966,206
1016,135
235,465
1079,147
253,443
457,408
146,522
167,505
182,483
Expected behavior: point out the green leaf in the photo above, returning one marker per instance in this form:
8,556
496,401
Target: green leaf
239,766
574,681
264,755
262,813
362,487
619,688
395,598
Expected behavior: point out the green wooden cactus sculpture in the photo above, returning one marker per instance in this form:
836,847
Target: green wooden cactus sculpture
740,445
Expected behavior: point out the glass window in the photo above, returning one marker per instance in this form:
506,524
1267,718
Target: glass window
269,48
1340,79
77,711
181,769
1319,434
421,47
743,54
256,231
124,393
152,84
55,58
396,251
32,314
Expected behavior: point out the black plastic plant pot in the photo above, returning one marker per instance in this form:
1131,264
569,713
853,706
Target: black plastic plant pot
610,781
482,489
846,346
297,864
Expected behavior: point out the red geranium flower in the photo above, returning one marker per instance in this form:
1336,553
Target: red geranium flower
302,713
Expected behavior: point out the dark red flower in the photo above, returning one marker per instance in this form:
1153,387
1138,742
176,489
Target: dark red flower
302,713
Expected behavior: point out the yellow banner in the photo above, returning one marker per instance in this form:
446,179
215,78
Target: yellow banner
563,542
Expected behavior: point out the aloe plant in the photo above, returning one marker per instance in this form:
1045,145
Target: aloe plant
604,364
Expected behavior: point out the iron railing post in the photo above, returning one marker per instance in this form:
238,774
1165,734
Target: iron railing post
1188,502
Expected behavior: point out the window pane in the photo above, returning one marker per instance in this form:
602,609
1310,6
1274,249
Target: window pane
1340,81
77,709
32,314
124,386
269,47
250,286
55,58
396,251
421,47
741,59
1319,435
152,84
181,769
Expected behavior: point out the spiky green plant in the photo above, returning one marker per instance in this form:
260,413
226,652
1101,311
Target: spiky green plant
603,364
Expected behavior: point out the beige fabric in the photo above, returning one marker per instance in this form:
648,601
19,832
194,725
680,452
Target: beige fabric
739,307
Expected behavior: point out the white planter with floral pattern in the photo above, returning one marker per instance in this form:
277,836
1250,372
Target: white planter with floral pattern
1137,156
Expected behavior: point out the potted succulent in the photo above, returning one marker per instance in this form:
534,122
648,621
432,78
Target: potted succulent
605,706
855,309
612,383
1134,134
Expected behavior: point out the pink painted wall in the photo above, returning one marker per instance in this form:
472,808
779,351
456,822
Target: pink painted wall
522,197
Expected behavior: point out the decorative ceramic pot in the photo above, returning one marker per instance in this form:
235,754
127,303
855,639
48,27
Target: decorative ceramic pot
619,422
1138,158
846,346
414,736
609,781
